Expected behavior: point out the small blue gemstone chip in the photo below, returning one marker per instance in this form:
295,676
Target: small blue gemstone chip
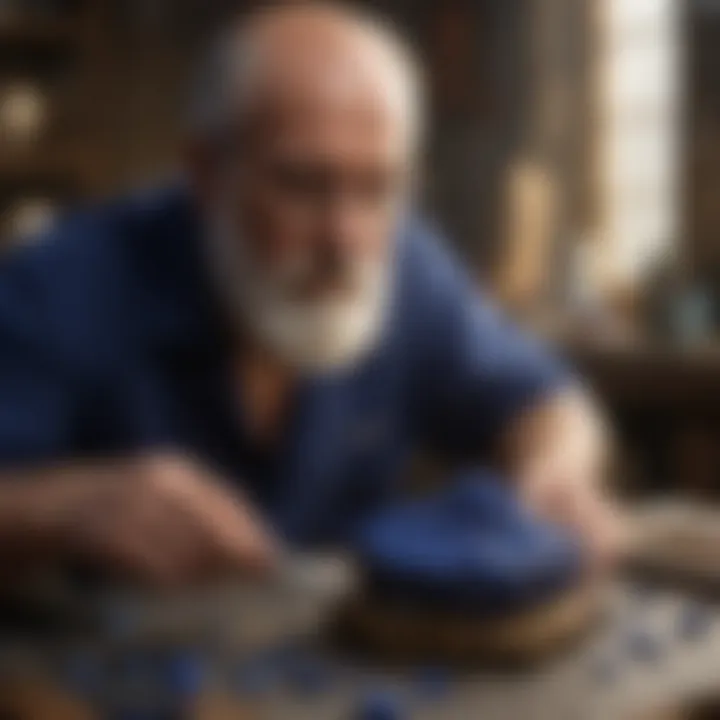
381,705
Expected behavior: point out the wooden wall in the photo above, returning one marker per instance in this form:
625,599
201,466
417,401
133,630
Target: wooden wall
475,51
490,66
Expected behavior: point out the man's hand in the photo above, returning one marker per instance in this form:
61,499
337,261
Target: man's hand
158,520
558,453
557,491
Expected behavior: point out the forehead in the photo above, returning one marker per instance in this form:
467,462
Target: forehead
332,116
329,93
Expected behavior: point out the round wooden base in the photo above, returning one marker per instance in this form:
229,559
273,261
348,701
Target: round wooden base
399,633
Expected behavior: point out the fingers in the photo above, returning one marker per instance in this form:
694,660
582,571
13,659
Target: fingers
136,541
232,530
168,523
578,504
228,531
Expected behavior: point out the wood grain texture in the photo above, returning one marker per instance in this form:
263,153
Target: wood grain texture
530,636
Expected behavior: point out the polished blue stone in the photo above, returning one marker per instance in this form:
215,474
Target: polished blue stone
470,547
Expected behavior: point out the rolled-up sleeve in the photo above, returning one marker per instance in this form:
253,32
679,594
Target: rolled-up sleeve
478,369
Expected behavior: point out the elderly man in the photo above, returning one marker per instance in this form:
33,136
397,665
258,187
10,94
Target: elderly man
187,376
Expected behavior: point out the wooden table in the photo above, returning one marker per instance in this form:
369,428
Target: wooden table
610,676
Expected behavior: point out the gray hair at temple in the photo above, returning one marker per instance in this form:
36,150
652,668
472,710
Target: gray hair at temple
225,90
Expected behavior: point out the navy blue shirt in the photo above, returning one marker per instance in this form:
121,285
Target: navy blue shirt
110,343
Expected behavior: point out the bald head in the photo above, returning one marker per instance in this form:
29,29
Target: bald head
304,132
300,49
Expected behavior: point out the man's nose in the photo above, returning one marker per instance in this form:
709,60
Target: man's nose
344,221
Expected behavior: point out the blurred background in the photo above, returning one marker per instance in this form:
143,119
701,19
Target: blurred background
574,160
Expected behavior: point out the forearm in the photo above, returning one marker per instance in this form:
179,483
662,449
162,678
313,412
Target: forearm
156,518
558,453
566,429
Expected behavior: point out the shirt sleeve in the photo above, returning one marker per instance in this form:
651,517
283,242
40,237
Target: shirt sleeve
477,369
35,397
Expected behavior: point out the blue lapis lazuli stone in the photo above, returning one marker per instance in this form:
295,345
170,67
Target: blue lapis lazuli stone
470,547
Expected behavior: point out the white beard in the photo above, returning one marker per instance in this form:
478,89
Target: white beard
313,337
